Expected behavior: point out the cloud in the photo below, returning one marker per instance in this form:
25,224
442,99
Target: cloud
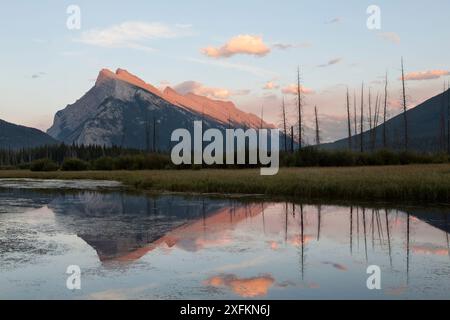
430,249
270,85
336,265
131,34
38,75
292,89
241,44
199,89
242,92
286,46
243,287
330,63
257,71
334,20
390,36
426,75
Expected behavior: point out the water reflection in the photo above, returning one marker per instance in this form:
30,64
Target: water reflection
171,246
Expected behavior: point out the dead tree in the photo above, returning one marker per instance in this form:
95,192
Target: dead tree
292,139
349,123
385,111
370,109
375,121
283,109
362,118
371,123
442,125
262,117
405,116
448,117
300,107
355,115
147,132
317,127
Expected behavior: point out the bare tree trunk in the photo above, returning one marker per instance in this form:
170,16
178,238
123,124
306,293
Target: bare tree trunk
147,132
405,116
442,125
385,112
370,110
317,127
292,139
154,134
349,123
262,117
448,117
372,124
375,121
284,125
362,118
355,116
299,101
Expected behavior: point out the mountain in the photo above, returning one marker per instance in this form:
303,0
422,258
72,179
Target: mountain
123,110
427,131
14,136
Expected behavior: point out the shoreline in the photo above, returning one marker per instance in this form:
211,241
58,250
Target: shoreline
411,183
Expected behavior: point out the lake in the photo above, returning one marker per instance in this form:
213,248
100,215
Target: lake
172,246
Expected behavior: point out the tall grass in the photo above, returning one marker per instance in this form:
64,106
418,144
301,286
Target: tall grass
426,183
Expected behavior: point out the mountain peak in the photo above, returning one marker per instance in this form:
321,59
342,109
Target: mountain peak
104,75
223,111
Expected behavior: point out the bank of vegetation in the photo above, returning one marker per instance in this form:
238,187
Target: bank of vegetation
426,183
94,158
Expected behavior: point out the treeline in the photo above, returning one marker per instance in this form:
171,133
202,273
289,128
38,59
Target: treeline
81,158
123,162
314,157
58,153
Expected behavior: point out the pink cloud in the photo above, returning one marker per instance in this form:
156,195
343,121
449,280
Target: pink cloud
426,75
292,89
244,287
390,36
270,85
241,44
202,90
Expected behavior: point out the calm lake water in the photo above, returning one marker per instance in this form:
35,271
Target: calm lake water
133,246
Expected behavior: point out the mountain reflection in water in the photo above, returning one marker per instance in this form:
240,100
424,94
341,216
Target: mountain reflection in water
172,246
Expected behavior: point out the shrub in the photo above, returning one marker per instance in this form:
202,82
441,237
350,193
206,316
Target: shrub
43,165
313,156
133,162
103,163
72,164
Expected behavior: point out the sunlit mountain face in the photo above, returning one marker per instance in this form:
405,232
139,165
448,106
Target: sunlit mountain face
170,246
123,110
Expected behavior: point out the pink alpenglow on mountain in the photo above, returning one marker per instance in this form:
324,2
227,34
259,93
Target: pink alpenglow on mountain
223,111
123,110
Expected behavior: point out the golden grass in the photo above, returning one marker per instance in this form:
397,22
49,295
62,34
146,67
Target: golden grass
430,183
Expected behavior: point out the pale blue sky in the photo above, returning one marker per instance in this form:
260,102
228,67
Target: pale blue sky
46,66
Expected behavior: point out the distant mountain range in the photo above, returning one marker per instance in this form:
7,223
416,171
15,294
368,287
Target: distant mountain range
13,136
427,131
123,110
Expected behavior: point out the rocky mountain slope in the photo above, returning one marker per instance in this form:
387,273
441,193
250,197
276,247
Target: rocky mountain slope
123,110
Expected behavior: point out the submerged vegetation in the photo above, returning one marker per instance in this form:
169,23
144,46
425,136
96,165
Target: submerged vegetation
427,183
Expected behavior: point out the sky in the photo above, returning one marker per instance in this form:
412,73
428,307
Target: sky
244,51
